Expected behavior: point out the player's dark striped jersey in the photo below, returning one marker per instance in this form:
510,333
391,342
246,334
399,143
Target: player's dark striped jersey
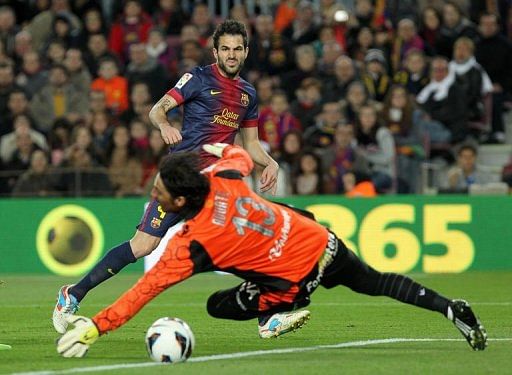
215,107
235,231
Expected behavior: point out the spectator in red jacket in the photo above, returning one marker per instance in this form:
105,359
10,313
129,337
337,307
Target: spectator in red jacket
132,27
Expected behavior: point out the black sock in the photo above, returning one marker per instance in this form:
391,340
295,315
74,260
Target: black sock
113,262
408,291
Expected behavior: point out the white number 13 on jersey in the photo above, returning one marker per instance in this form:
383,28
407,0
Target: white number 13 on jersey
241,222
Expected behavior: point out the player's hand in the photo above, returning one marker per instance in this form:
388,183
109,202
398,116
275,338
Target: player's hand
215,149
76,342
268,180
170,134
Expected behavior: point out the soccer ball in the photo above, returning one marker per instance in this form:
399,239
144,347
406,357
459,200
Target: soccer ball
169,340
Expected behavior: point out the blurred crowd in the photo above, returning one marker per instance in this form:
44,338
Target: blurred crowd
354,95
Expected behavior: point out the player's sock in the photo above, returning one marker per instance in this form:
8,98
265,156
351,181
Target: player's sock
113,262
406,290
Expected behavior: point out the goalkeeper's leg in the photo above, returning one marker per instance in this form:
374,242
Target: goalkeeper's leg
348,270
274,309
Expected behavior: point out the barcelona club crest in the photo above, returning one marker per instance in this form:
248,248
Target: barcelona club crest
155,223
244,99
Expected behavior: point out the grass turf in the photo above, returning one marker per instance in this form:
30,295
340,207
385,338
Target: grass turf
338,316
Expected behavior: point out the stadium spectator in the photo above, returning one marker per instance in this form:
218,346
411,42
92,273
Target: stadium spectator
8,28
321,135
355,98
32,76
157,48
22,124
500,8
20,159
17,105
7,84
285,14
101,129
443,99
477,84
113,84
305,67
404,120
40,27
414,75
39,180
494,53
375,144
144,68
57,99
59,139
203,20
375,77
454,26
289,152
407,40
139,135
430,27
340,159
275,120
271,53
169,17
265,90
191,55
308,104
55,52
63,31
94,23
132,27
97,50
81,177
79,75
361,44
151,159
82,138
466,172
344,74
139,98
330,52
308,178
124,169
324,260
303,29
97,102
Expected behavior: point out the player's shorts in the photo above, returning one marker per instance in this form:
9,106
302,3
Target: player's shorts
249,300
156,221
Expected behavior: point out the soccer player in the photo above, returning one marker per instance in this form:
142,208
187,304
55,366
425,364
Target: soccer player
217,103
282,254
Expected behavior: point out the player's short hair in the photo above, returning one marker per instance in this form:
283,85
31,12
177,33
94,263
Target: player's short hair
180,173
231,27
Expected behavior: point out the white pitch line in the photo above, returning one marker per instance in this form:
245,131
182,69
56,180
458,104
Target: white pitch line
351,344
371,304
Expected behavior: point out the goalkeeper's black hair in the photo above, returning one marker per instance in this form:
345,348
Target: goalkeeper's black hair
181,176
230,27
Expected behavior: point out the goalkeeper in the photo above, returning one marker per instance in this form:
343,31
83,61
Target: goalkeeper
281,252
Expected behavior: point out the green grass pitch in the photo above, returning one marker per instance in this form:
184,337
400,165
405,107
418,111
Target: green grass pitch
338,316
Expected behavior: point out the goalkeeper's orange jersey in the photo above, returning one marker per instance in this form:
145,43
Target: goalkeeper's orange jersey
236,231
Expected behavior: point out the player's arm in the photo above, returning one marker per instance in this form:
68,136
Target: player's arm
174,266
158,117
232,158
260,156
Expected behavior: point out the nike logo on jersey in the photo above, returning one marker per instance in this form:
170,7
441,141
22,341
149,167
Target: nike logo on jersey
109,270
215,92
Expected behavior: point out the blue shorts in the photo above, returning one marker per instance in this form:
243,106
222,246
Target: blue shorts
155,221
